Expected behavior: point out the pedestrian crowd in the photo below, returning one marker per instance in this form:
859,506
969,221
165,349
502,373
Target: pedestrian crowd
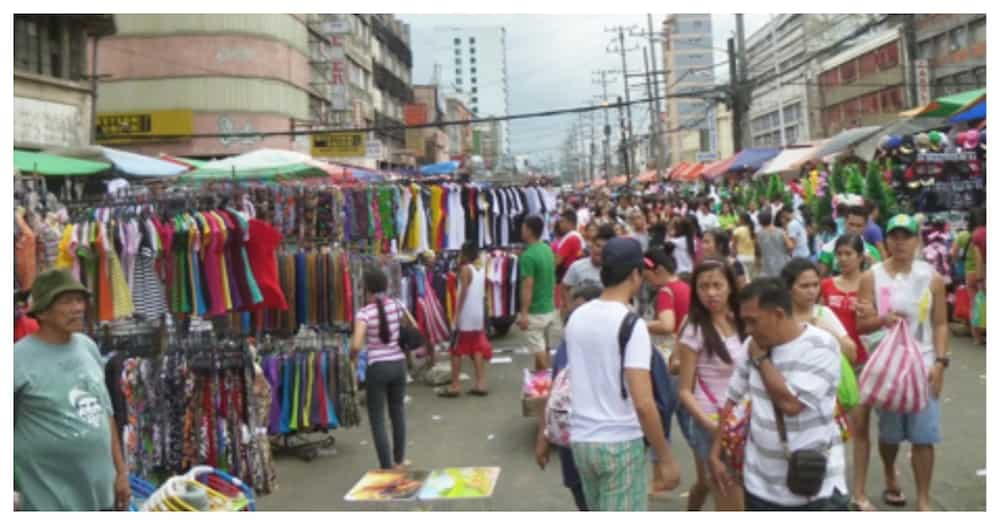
764,318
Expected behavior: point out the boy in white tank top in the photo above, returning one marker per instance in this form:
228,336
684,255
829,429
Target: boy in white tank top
470,324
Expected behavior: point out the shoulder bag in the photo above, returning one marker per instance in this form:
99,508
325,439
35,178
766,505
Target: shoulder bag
806,467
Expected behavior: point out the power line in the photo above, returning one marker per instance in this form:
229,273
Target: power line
710,93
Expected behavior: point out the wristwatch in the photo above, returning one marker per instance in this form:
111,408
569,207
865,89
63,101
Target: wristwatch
757,361
945,361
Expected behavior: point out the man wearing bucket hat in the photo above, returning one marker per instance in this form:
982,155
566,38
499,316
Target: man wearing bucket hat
67,454
904,288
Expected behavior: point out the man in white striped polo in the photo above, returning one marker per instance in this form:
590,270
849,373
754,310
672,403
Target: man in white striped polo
794,367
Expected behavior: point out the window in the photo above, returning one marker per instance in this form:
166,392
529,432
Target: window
869,103
792,135
27,45
704,140
472,60
791,113
869,63
458,80
940,45
458,61
473,80
473,71
458,72
472,40
830,78
458,52
475,110
475,90
458,41
472,51
55,56
888,56
977,31
925,50
957,39
475,100
849,72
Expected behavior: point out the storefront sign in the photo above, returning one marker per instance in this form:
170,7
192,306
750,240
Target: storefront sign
338,75
344,144
922,70
131,127
373,149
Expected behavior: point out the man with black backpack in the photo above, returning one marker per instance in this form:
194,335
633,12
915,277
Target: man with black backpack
612,392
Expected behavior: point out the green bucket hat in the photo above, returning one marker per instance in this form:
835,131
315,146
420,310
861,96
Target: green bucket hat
905,222
49,285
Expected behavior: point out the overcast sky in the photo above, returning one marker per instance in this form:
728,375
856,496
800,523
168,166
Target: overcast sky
550,61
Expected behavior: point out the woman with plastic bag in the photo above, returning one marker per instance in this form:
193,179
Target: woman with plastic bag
903,289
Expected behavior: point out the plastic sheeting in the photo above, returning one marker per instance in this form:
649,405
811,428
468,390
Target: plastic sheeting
752,159
789,160
846,139
441,168
265,164
29,162
976,112
125,162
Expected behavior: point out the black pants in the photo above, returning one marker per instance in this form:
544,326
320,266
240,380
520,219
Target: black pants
386,381
835,502
581,502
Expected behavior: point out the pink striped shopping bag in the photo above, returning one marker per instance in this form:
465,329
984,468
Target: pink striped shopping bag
895,378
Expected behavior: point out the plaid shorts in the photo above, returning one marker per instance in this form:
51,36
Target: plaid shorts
613,475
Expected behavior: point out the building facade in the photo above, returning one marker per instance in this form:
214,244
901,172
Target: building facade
954,46
865,85
53,95
429,144
688,63
214,74
459,137
787,52
472,66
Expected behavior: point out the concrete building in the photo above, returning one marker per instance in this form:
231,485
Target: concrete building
53,98
784,44
459,137
429,145
865,85
688,62
208,74
472,63
954,46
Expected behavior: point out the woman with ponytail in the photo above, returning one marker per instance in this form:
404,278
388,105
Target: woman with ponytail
376,328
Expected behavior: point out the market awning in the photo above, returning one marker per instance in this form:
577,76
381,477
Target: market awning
619,180
714,169
949,105
441,168
691,173
183,161
264,164
125,162
647,176
752,159
29,162
676,170
976,112
790,159
599,182
845,140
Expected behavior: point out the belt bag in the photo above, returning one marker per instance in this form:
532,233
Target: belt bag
806,467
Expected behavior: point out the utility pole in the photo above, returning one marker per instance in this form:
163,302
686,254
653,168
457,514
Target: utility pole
654,132
777,72
735,97
607,122
628,100
624,142
654,73
744,88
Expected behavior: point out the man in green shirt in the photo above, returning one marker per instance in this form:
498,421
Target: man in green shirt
856,218
536,269
67,454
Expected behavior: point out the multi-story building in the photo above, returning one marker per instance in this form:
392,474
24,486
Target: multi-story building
393,79
688,63
428,144
459,137
472,62
865,85
954,46
786,52
212,74
53,96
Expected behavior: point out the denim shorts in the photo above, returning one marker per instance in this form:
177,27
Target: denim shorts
921,428
699,438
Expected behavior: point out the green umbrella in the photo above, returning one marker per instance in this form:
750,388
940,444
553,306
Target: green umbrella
45,164
951,104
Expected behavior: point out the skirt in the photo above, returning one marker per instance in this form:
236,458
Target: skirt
472,343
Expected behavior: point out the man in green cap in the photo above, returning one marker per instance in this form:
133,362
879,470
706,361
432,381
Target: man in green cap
67,453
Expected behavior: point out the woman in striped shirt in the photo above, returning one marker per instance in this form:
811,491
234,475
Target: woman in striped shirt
376,327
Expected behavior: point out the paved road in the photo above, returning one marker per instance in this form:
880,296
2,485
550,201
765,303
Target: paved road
472,431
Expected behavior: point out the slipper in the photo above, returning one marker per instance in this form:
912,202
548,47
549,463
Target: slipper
862,507
894,498
448,393
480,393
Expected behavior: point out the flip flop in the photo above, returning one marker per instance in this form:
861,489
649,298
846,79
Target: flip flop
448,393
480,393
898,499
862,507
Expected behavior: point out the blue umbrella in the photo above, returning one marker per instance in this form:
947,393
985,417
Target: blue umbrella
977,112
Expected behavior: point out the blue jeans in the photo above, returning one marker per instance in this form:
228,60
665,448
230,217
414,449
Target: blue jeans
922,428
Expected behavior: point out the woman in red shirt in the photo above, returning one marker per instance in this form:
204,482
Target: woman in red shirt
840,294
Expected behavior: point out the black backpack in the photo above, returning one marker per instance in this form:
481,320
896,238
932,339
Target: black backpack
663,389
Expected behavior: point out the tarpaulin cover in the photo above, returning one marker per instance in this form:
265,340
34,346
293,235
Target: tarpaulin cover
752,159
866,148
789,160
45,164
718,167
845,139
264,164
441,168
125,162
690,173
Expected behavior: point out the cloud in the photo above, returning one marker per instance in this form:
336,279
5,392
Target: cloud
551,60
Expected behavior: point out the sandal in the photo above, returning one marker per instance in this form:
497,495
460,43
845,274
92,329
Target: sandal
444,392
480,393
894,497
862,506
